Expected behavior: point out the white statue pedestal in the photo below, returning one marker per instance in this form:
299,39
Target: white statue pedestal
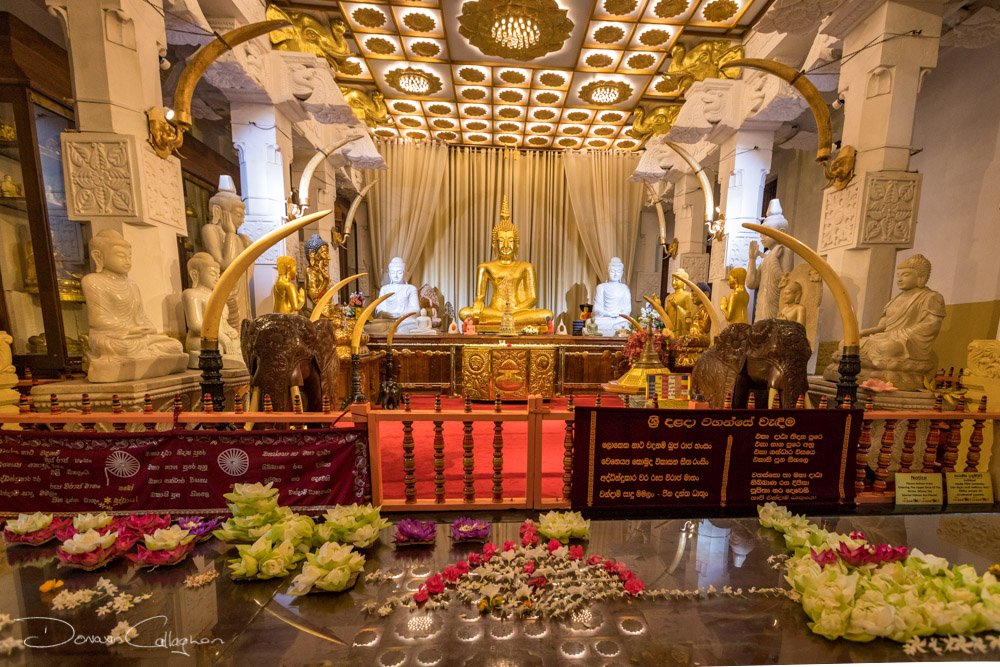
104,371
132,393
885,400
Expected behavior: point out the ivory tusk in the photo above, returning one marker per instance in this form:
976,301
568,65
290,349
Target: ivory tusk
392,328
660,216
699,172
634,322
349,220
320,305
321,154
806,88
718,319
227,282
654,301
848,318
359,326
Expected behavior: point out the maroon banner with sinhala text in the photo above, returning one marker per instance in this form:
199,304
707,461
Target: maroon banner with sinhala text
628,458
178,471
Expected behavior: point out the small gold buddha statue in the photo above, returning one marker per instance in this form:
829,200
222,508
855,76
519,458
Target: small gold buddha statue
513,281
679,306
735,306
288,296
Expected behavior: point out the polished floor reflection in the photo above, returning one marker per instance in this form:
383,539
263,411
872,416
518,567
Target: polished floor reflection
259,624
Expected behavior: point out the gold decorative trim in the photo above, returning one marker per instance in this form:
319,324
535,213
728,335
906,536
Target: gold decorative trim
725,470
425,49
578,116
479,16
351,68
620,7
472,75
609,34
547,98
654,37
447,136
512,76
509,113
511,96
552,80
434,85
641,61
843,458
611,117
404,107
475,111
598,60
544,114
474,94
592,456
476,126
623,90
380,45
439,108
419,22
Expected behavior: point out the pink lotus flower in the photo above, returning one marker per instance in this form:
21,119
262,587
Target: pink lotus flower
435,584
857,556
509,545
488,550
39,537
475,560
576,552
878,386
825,557
553,545
147,558
634,586
462,566
885,553
451,573
420,596
529,567
91,560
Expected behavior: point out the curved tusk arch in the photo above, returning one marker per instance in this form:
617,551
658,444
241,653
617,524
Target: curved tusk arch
634,322
349,220
392,327
654,301
852,334
320,305
660,216
363,318
806,88
718,319
227,282
321,154
205,56
699,172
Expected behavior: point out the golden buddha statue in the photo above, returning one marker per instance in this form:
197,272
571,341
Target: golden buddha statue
288,296
513,283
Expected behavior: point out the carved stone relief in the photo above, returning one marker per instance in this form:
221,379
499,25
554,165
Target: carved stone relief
984,358
881,210
768,98
717,264
891,200
841,211
795,16
163,190
696,264
101,175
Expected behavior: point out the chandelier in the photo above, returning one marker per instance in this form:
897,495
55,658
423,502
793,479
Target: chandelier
516,31
414,82
605,94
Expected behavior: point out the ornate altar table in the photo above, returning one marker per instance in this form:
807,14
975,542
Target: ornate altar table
454,363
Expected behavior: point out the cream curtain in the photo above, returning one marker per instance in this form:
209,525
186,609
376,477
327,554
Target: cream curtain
606,205
402,206
477,179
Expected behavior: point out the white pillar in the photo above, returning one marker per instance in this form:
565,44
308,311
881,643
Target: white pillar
114,55
879,83
263,141
743,170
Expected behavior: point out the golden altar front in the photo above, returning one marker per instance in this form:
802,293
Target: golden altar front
508,372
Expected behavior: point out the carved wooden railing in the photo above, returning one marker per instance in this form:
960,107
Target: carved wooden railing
932,442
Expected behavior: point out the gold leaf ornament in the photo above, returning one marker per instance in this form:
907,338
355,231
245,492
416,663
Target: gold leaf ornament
394,77
552,80
419,22
598,60
641,61
380,45
368,17
666,9
720,10
512,76
620,7
547,98
425,49
608,34
481,20
654,37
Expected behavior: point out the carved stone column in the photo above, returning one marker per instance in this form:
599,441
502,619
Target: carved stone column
867,223
263,140
113,178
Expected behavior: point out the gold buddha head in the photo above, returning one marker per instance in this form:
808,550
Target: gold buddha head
287,267
506,242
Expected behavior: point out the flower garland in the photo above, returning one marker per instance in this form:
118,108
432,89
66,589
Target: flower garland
535,579
853,589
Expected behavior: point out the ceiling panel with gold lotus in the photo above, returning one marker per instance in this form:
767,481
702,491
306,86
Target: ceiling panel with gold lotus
528,73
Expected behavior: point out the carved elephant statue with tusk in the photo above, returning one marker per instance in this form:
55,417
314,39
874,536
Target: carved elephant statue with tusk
770,354
286,354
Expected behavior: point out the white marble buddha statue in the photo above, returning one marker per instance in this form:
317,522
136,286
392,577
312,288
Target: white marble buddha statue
123,344
900,348
204,272
224,243
612,299
404,300
777,261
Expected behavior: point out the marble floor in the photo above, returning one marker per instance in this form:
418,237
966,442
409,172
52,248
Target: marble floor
259,624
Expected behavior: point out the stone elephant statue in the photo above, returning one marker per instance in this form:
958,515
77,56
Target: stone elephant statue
770,354
285,354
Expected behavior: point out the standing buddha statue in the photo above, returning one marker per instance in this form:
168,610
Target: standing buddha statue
513,282
288,296
318,271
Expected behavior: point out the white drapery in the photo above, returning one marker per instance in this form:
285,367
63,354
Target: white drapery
403,204
535,184
606,205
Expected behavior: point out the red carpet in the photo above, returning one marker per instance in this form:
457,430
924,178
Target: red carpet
515,452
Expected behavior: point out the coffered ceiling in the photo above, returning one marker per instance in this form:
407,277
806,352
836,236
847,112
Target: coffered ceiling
556,74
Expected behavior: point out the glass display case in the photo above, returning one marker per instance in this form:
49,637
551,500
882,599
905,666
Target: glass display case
44,254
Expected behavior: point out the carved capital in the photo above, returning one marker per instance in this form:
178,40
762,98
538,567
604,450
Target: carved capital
766,98
881,210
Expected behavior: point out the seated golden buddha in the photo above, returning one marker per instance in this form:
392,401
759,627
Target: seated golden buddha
513,283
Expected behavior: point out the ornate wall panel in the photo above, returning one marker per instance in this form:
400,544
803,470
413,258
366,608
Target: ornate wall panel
101,175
